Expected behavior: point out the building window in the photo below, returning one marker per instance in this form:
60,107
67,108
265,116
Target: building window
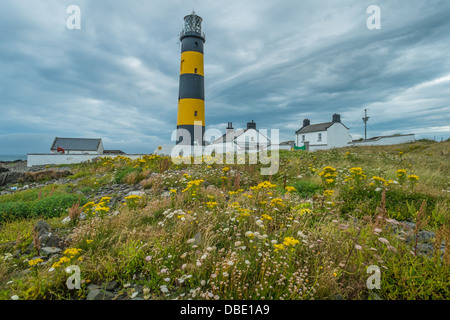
319,138
303,138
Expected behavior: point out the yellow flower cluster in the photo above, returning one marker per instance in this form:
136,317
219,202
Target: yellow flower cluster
290,241
61,261
242,212
225,169
34,262
69,254
91,208
72,252
133,197
277,202
231,193
211,204
192,184
328,193
290,189
380,181
357,173
264,185
328,175
266,217
278,247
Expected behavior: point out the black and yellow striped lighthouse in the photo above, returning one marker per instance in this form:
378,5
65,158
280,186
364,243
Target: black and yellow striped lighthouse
191,96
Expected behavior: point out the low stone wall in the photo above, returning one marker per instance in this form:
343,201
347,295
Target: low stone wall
38,159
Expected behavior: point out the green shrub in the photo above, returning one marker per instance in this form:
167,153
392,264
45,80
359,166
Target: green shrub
123,172
307,189
397,201
48,207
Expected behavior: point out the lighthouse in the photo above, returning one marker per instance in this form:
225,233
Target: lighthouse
191,94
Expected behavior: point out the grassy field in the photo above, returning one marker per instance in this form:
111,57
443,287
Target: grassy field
226,232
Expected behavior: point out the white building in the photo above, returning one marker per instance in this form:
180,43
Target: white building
242,140
321,136
77,146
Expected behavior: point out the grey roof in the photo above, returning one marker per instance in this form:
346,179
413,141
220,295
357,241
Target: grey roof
317,127
79,144
230,136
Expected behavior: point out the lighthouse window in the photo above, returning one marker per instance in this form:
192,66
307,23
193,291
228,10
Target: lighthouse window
195,113
195,70
196,44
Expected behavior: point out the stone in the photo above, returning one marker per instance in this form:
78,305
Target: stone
425,248
99,294
66,220
47,251
111,285
135,193
93,286
45,236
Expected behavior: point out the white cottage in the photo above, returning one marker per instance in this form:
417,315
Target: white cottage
77,146
241,140
326,135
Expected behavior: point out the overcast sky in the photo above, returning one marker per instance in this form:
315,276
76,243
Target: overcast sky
274,62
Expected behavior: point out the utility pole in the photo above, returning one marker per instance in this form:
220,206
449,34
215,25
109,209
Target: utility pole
365,123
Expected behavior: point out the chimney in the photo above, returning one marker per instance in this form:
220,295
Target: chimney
251,125
230,127
306,122
336,117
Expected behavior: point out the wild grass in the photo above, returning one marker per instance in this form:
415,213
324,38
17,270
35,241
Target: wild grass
226,232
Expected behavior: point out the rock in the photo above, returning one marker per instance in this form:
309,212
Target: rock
111,285
66,220
45,236
425,249
93,286
98,294
422,236
10,177
3,169
135,193
47,251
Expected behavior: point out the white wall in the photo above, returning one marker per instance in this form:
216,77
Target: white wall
78,152
384,141
338,136
312,137
35,159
